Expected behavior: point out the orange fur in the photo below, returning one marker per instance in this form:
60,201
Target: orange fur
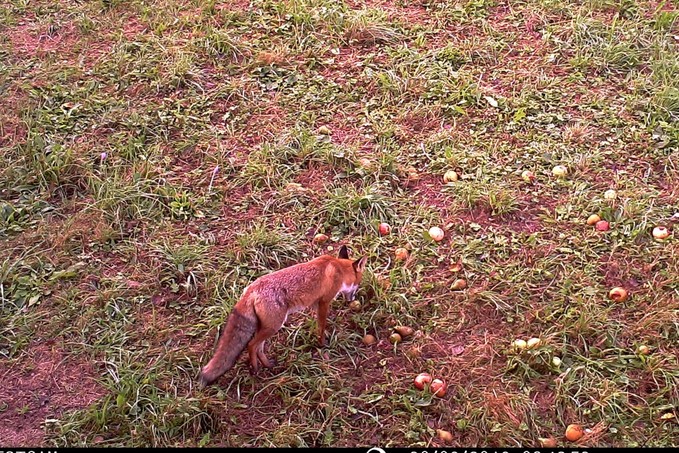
267,302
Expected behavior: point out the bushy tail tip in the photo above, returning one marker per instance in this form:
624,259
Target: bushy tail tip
233,340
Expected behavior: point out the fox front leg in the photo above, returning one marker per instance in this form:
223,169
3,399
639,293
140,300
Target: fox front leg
323,308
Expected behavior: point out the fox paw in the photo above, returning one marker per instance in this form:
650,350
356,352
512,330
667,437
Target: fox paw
256,369
272,363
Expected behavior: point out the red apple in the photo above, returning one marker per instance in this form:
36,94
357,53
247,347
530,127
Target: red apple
385,228
421,380
618,294
438,387
602,225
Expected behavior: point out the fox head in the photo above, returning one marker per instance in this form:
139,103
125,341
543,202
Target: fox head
351,282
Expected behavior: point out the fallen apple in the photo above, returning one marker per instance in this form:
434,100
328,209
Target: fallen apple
643,349
533,342
460,283
547,442
436,233
384,228
660,232
320,238
520,344
438,387
618,294
450,176
574,432
395,338
602,225
559,171
528,176
404,331
445,436
369,339
355,305
593,219
421,380
401,254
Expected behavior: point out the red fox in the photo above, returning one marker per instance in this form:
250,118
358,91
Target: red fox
267,302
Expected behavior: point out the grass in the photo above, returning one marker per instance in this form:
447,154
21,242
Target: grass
157,158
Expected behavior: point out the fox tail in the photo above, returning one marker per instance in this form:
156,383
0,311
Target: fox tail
240,328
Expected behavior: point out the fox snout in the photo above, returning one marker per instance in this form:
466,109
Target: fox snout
349,292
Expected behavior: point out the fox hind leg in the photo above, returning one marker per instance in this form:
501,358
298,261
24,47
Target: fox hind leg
268,363
256,348
271,319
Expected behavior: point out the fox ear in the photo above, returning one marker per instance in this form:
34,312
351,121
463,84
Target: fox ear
343,253
359,264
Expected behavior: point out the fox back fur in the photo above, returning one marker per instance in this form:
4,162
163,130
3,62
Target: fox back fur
267,302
